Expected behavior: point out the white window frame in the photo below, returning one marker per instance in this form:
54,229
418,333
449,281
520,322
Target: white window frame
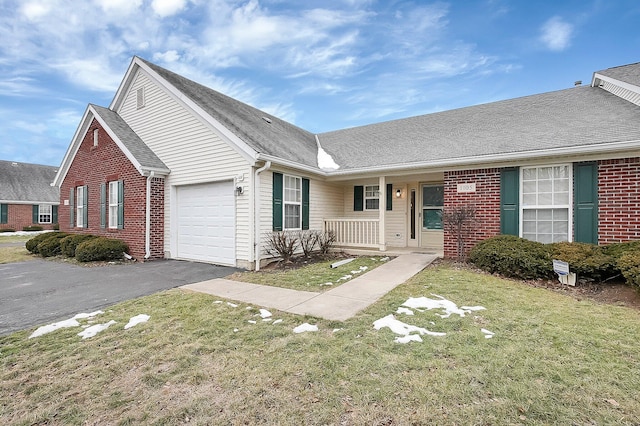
44,214
96,134
80,206
371,192
297,201
538,207
113,205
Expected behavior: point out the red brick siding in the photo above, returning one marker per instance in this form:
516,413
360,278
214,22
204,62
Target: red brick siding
618,200
486,201
93,166
21,215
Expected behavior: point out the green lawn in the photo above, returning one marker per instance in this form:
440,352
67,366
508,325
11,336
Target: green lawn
552,360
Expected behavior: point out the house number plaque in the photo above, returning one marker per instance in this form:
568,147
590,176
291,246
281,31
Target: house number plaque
466,187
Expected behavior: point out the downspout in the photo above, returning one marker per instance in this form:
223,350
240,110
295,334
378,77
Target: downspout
147,231
256,219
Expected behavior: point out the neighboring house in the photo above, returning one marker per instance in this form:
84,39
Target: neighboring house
27,197
181,171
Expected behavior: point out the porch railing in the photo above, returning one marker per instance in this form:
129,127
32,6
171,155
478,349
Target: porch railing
354,232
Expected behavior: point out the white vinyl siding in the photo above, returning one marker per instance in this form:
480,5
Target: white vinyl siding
191,149
546,203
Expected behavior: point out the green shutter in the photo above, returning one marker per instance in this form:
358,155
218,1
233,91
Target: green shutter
34,213
585,178
389,196
72,193
358,198
85,209
103,205
305,203
54,214
277,201
120,204
4,213
509,201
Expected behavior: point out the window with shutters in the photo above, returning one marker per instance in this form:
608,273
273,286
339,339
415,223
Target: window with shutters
44,213
372,197
113,204
546,203
292,202
80,206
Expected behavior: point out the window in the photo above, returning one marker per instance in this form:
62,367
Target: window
371,197
432,206
95,137
81,207
113,204
292,202
44,213
546,203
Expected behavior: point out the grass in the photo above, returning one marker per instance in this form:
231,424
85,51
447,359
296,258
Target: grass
317,277
553,360
14,254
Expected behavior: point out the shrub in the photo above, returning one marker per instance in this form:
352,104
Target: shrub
586,260
32,244
282,244
7,230
629,266
616,250
32,228
513,257
51,246
308,240
69,243
325,241
100,248
56,226
459,221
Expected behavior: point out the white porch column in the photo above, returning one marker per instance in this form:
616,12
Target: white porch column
382,208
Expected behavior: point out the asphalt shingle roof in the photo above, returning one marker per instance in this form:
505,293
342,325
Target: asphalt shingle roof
28,182
572,117
277,138
140,151
627,73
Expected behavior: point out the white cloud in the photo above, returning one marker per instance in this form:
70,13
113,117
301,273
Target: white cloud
119,7
35,10
166,8
556,34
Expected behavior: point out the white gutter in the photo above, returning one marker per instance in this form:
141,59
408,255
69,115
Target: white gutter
147,231
256,209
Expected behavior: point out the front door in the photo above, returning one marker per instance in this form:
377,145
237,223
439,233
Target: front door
432,200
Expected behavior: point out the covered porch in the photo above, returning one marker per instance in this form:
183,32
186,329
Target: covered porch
390,214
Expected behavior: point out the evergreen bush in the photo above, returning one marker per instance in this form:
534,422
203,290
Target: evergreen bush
70,243
32,244
100,248
629,266
51,246
586,260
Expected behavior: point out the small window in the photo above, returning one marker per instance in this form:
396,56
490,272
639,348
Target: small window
372,197
113,204
44,213
95,137
432,207
292,202
140,97
80,195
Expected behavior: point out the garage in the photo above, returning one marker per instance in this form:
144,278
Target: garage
206,222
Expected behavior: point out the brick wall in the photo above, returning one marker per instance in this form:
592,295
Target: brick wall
94,165
485,199
618,200
21,215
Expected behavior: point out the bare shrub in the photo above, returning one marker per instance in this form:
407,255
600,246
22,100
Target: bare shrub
282,244
325,241
308,240
459,221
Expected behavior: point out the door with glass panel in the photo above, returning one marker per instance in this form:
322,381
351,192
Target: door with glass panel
432,200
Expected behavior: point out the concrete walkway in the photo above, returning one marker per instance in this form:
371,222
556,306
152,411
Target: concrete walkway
340,303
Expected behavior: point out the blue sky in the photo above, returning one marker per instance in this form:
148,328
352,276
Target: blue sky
323,65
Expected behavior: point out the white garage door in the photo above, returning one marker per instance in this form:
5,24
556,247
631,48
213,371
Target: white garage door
206,222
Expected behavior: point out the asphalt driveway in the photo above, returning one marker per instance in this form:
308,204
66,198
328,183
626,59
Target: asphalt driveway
39,291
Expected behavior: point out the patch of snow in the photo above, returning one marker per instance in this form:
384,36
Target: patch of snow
53,327
327,283
364,268
440,303
95,329
251,322
267,319
405,311
345,278
408,338
89,315
472,308
357,271
233,305
218,301
305,327
138,319
325,161
235,330
335,330
398,327
487,334
384,259
264,313
278,321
